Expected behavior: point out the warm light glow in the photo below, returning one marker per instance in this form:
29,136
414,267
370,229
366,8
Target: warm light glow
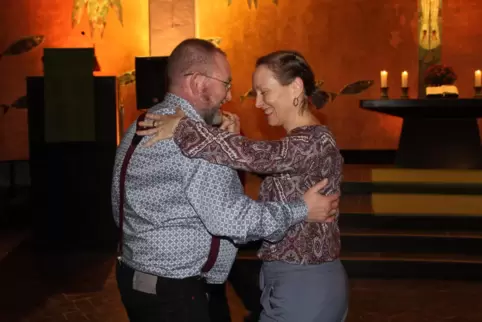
115,53
383,79
196,19
404,79
478,79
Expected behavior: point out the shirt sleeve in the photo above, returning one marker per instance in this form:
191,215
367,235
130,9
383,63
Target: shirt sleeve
216,194
199,140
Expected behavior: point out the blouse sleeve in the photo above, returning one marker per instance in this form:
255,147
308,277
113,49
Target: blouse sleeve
199,140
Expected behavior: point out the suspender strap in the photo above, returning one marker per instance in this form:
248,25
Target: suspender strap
213,254
215,241
130,151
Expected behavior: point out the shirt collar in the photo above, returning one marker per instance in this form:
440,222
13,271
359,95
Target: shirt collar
171,101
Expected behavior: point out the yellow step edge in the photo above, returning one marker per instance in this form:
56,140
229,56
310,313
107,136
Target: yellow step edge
426,176
426,204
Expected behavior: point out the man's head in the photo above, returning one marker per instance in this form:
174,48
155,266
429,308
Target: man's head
199,72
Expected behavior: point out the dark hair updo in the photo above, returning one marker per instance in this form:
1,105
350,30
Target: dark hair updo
287,65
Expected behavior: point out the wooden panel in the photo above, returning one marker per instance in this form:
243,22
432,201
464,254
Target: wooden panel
171,21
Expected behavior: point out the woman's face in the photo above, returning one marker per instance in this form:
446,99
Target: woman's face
274,99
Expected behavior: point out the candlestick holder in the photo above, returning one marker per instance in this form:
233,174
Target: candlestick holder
404,93
384,93
478,92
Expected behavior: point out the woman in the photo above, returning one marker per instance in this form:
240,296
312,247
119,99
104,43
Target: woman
302,278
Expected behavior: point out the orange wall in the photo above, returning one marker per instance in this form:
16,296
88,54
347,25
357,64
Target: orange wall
344,41
115,52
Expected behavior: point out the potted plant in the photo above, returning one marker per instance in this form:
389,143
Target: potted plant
440,81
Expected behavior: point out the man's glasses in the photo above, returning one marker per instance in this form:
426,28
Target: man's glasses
227,84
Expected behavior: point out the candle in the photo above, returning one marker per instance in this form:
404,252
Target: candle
478,79
383,79
405,79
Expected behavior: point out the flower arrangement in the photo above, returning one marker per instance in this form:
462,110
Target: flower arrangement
439,75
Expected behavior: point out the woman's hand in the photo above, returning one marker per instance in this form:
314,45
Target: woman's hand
230,123
162,127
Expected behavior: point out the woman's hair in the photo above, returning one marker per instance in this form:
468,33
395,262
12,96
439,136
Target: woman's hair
287,65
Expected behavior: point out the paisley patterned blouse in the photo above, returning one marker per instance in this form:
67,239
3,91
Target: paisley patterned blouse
292,165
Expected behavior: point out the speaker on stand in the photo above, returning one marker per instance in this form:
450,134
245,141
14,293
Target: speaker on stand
72,142
151,81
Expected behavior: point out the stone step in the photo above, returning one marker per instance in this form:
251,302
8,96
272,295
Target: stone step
412,243
398,265
411,223
454,258
249,254
369,232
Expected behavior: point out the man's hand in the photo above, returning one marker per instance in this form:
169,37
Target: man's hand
230,123
321,208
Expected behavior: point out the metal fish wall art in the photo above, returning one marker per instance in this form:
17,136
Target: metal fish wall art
23,45
215,40
127,78
5,108
19,103
356,87
325,96
248,94
97,11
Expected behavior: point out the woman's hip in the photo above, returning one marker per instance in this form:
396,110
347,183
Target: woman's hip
304,292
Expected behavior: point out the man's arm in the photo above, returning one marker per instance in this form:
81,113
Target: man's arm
216,194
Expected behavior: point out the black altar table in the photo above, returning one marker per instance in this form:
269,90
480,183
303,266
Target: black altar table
436,133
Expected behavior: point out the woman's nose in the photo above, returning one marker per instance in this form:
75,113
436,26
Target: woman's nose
259,101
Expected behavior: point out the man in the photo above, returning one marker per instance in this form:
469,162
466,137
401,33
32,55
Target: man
172,206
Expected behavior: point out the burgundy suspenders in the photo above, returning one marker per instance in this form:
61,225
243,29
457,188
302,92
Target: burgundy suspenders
215,241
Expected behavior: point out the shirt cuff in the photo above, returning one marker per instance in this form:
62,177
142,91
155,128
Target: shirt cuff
299,210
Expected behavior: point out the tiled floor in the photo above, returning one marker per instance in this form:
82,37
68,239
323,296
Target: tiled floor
81,287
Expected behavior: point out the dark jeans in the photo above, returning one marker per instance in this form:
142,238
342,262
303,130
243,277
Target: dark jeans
177,300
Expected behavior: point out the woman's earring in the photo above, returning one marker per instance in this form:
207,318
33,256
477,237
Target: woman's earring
296,102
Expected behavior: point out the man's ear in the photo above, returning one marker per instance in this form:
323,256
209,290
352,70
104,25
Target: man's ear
195,83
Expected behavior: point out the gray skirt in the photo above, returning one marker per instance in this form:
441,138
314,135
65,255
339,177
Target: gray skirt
303,293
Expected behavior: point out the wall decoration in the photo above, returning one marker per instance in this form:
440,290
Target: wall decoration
430,38
251,2
97,11
215,40
21,46
20,103
350,89
127,78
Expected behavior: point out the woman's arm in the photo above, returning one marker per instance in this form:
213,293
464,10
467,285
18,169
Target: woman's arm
199,140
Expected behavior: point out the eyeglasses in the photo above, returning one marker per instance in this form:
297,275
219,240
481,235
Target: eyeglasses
227,84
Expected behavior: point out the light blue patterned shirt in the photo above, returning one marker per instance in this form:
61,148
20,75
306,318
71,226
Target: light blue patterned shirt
173,204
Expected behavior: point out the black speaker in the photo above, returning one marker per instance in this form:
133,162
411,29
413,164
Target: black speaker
151,81
71,181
